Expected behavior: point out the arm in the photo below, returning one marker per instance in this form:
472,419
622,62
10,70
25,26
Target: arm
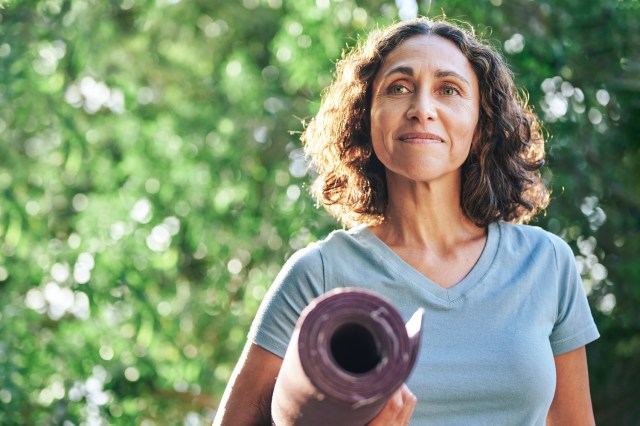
572,401
247,398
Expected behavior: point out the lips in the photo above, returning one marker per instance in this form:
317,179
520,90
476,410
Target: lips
420,138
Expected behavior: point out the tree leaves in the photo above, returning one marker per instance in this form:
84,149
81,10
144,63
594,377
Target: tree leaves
150,171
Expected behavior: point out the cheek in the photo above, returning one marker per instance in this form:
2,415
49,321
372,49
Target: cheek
377,144
471,124
476,132
475,139
377,136
376,125
381,119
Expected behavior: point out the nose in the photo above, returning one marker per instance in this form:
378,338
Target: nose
422,107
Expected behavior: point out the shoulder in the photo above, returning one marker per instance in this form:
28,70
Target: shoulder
339,259
530,234
312,258
337,242
531,238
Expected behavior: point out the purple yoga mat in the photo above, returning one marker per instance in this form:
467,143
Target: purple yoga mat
349,353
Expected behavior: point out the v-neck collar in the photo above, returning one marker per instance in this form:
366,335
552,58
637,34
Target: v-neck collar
408,273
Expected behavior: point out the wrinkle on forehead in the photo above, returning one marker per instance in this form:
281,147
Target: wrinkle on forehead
439,55
404,55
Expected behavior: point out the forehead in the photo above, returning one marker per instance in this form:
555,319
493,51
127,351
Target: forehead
428,52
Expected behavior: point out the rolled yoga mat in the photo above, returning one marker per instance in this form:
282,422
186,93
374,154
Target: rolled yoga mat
350,351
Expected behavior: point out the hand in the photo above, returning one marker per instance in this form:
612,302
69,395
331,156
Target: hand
398,409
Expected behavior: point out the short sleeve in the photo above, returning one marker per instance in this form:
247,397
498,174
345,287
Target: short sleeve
574,326
299,282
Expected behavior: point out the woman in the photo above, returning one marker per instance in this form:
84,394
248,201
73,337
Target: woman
422,145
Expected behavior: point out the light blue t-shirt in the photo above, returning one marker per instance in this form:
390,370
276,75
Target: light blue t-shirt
488,342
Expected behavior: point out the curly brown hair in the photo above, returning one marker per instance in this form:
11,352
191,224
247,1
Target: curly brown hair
500,177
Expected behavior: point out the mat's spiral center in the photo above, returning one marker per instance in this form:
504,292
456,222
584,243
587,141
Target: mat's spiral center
355,348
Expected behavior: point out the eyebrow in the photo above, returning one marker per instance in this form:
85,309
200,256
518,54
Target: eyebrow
449,73
401,70
439,73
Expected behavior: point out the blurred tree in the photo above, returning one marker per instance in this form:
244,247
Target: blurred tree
152,184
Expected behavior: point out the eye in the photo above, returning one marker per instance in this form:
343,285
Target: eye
398,89
449,91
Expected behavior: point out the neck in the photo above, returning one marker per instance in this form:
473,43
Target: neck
426,215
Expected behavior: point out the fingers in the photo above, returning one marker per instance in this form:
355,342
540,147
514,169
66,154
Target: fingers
409,401
398,409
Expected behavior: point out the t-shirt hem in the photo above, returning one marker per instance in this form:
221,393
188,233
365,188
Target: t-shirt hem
574,342
270,344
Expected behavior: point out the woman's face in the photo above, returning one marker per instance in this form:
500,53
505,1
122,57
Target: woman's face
424,110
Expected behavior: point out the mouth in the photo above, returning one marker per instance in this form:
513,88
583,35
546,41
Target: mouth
420,138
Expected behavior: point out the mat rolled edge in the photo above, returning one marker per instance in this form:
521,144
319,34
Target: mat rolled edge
349,353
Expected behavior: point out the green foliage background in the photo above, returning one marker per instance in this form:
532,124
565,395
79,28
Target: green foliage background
152,184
